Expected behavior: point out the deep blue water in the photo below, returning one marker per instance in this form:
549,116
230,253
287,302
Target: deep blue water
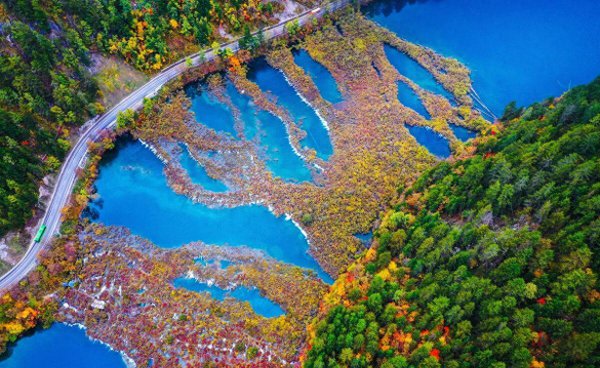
60,346
320,76
435,143
259,303
272,136
409,98
412,70
198,174
209,110
272,80
134,193
462,133
522,50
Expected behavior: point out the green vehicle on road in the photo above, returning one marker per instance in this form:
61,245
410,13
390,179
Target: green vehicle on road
39,234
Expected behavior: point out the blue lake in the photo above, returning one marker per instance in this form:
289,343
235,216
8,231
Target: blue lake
60,346
198,174
259,303
320,76
435,143
209,110
409,98
271,134
462,133
522,50
273,81
412,70
134,193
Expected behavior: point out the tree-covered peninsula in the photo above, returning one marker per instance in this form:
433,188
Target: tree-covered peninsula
488,260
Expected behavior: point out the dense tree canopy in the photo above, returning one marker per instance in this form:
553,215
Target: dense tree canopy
489,261
44,89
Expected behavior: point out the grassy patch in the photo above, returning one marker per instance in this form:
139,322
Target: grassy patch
116,79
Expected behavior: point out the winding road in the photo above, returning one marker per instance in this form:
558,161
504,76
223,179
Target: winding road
77,156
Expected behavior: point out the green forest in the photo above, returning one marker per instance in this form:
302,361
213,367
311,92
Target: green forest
487,261
47,89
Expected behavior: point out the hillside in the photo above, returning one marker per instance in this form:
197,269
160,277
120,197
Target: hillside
488,261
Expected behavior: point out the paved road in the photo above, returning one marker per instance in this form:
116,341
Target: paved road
77,156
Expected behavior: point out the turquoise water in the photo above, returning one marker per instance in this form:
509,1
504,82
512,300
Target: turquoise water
522,50
271,80
320,76
409,98
272,138
412,70
435,143
462,133
134,193
259,303
198,174
60,346
209,110
223,264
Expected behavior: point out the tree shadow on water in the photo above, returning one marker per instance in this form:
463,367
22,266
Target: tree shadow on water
387,7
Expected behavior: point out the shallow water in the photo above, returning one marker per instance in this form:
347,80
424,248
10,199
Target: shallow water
365,238
322,78
273,81
409,98
462,133
434,142
522,50
259,303
272,138
412,70
60,346
208,110
134,193
198,174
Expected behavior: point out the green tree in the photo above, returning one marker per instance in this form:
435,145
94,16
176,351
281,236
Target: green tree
125,119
